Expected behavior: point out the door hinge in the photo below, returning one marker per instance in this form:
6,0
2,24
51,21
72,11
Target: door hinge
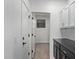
28,53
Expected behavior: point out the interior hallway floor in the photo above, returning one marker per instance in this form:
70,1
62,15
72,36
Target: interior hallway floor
42,51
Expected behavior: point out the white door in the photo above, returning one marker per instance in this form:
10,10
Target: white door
29,34
65,17
42,28
26,31
13,41
72,14
33,36
16,30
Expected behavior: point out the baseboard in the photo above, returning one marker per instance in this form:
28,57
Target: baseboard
41,42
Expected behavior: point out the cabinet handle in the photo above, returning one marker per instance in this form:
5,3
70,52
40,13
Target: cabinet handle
64,51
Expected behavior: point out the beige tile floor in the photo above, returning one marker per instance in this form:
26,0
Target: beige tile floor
42,51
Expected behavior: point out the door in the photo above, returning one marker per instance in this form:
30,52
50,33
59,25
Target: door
12,23
26,31
17,42
42,27
29,35
64,18
72,14
33,36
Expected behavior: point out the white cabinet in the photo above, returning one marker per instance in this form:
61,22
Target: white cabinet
72,14
64,18
67,16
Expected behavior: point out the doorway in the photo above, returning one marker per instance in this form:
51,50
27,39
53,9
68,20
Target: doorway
42,27
42,34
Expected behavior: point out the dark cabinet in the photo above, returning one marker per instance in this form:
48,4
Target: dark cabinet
56,50
61,52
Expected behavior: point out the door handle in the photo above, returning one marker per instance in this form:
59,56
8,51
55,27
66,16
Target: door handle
24,43
64,52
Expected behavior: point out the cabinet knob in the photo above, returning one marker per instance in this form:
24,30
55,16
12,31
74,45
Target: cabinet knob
64,52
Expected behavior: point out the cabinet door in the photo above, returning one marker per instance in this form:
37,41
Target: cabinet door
54,50
72,15
65,17
61,19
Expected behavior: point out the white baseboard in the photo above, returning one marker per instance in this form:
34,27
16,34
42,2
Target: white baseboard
41,42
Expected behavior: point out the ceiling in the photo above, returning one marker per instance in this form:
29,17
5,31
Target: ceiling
47,5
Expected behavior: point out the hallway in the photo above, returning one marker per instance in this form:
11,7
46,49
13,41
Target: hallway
42,51
31,25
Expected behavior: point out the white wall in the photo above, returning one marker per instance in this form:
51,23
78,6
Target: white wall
42,34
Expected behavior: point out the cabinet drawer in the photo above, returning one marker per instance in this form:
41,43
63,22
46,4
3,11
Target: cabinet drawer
67,53
56,44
